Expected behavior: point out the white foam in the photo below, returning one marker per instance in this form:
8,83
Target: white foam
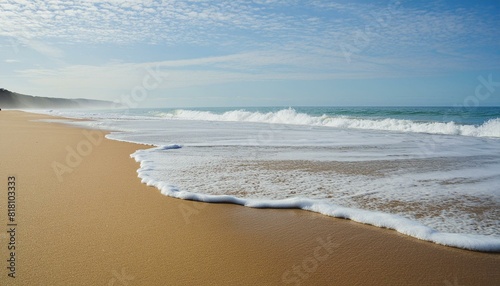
290,116
209,144
379,219
490,128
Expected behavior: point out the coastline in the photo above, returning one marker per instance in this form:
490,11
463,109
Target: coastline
100,224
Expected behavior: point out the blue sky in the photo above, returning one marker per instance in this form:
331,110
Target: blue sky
252,53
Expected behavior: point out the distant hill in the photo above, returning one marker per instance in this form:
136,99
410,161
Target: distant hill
15,100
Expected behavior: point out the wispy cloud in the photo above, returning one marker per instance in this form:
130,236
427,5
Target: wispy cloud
255,40
43,48
221,22
116,77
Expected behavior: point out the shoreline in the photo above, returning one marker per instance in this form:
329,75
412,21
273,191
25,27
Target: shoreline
100,215
380,219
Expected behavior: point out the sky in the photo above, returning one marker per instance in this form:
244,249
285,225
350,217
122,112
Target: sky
202,53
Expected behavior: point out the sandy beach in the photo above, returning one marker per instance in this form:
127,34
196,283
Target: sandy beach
83,217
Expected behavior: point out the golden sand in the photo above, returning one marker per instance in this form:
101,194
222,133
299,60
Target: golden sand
96,224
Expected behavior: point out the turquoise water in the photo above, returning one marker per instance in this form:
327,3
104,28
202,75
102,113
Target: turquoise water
461,115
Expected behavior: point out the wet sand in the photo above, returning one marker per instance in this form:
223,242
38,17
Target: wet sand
97,224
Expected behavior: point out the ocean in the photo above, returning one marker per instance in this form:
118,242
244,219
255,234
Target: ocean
432,173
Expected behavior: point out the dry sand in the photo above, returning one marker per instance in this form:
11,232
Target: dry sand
101,226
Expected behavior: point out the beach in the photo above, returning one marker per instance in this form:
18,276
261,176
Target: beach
83,217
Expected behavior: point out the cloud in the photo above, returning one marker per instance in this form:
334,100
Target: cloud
250,23
43,48
111,80
11,61
258,40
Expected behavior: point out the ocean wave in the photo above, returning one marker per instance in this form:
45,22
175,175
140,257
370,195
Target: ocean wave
385,220
490,128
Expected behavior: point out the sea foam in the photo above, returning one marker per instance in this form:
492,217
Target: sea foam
353,139
385,220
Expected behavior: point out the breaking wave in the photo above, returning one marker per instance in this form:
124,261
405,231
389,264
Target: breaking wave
490,128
